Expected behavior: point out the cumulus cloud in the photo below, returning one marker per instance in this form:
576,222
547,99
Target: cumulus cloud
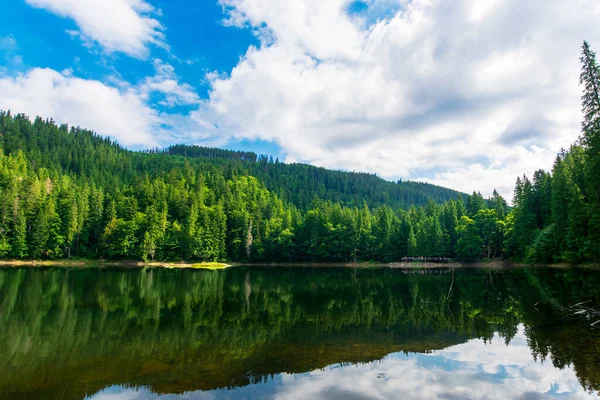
166,82
127,26
119,110
118,113
467,94
321,27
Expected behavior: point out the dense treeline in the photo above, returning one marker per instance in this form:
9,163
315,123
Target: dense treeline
556,216
300,183
66,193
188,214
208,152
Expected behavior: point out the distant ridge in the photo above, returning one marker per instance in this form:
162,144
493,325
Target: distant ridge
84,153
348,187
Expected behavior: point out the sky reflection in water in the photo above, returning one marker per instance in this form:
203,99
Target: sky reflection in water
471,370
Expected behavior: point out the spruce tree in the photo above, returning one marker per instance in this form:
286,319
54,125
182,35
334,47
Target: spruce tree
590,81
19,243
39,232
560,203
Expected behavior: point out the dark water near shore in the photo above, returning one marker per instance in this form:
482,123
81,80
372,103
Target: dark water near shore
299,333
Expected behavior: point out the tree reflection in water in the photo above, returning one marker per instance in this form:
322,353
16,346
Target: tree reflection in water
70,333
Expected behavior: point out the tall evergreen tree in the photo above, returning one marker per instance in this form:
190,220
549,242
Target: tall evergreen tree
590,99
475,202
590,81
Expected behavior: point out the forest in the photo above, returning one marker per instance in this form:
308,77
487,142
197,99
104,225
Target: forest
68,192
56,202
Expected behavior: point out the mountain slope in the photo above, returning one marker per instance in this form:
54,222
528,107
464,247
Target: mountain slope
69,192
83,153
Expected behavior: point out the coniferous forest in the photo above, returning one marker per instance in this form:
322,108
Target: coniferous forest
67,192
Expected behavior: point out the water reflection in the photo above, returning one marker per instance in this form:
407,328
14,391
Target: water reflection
472,370
297,333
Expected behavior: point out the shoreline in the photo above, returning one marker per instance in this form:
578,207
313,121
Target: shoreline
133,264
90,263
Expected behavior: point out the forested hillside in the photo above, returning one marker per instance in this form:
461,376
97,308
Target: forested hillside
68,192
184,211
299,183
83,154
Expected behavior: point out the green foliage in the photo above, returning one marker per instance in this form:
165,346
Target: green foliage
68,192
557,218
488,228
475,202
542,248
469,244
19,229
590,81
523,221
590,99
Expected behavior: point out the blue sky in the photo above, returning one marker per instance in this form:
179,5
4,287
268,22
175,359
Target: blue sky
464,94
197,39
37,38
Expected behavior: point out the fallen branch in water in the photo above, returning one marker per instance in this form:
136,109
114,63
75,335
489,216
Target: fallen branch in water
580,310
578,304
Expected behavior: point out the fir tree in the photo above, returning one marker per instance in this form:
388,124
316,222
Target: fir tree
590,81
590,99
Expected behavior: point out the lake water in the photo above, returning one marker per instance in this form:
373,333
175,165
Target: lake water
299,333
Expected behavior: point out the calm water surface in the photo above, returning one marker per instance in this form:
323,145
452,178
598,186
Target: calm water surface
299,333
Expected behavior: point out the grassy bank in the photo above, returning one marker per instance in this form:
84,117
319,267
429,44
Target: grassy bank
111,264
91,263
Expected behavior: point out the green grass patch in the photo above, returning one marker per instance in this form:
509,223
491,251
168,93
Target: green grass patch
209,265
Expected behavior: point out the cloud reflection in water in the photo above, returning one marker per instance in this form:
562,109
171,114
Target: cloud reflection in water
471,370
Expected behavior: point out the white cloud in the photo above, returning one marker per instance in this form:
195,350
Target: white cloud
126,26
464,94
322,27
8,49
119,113
135,115
166,82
